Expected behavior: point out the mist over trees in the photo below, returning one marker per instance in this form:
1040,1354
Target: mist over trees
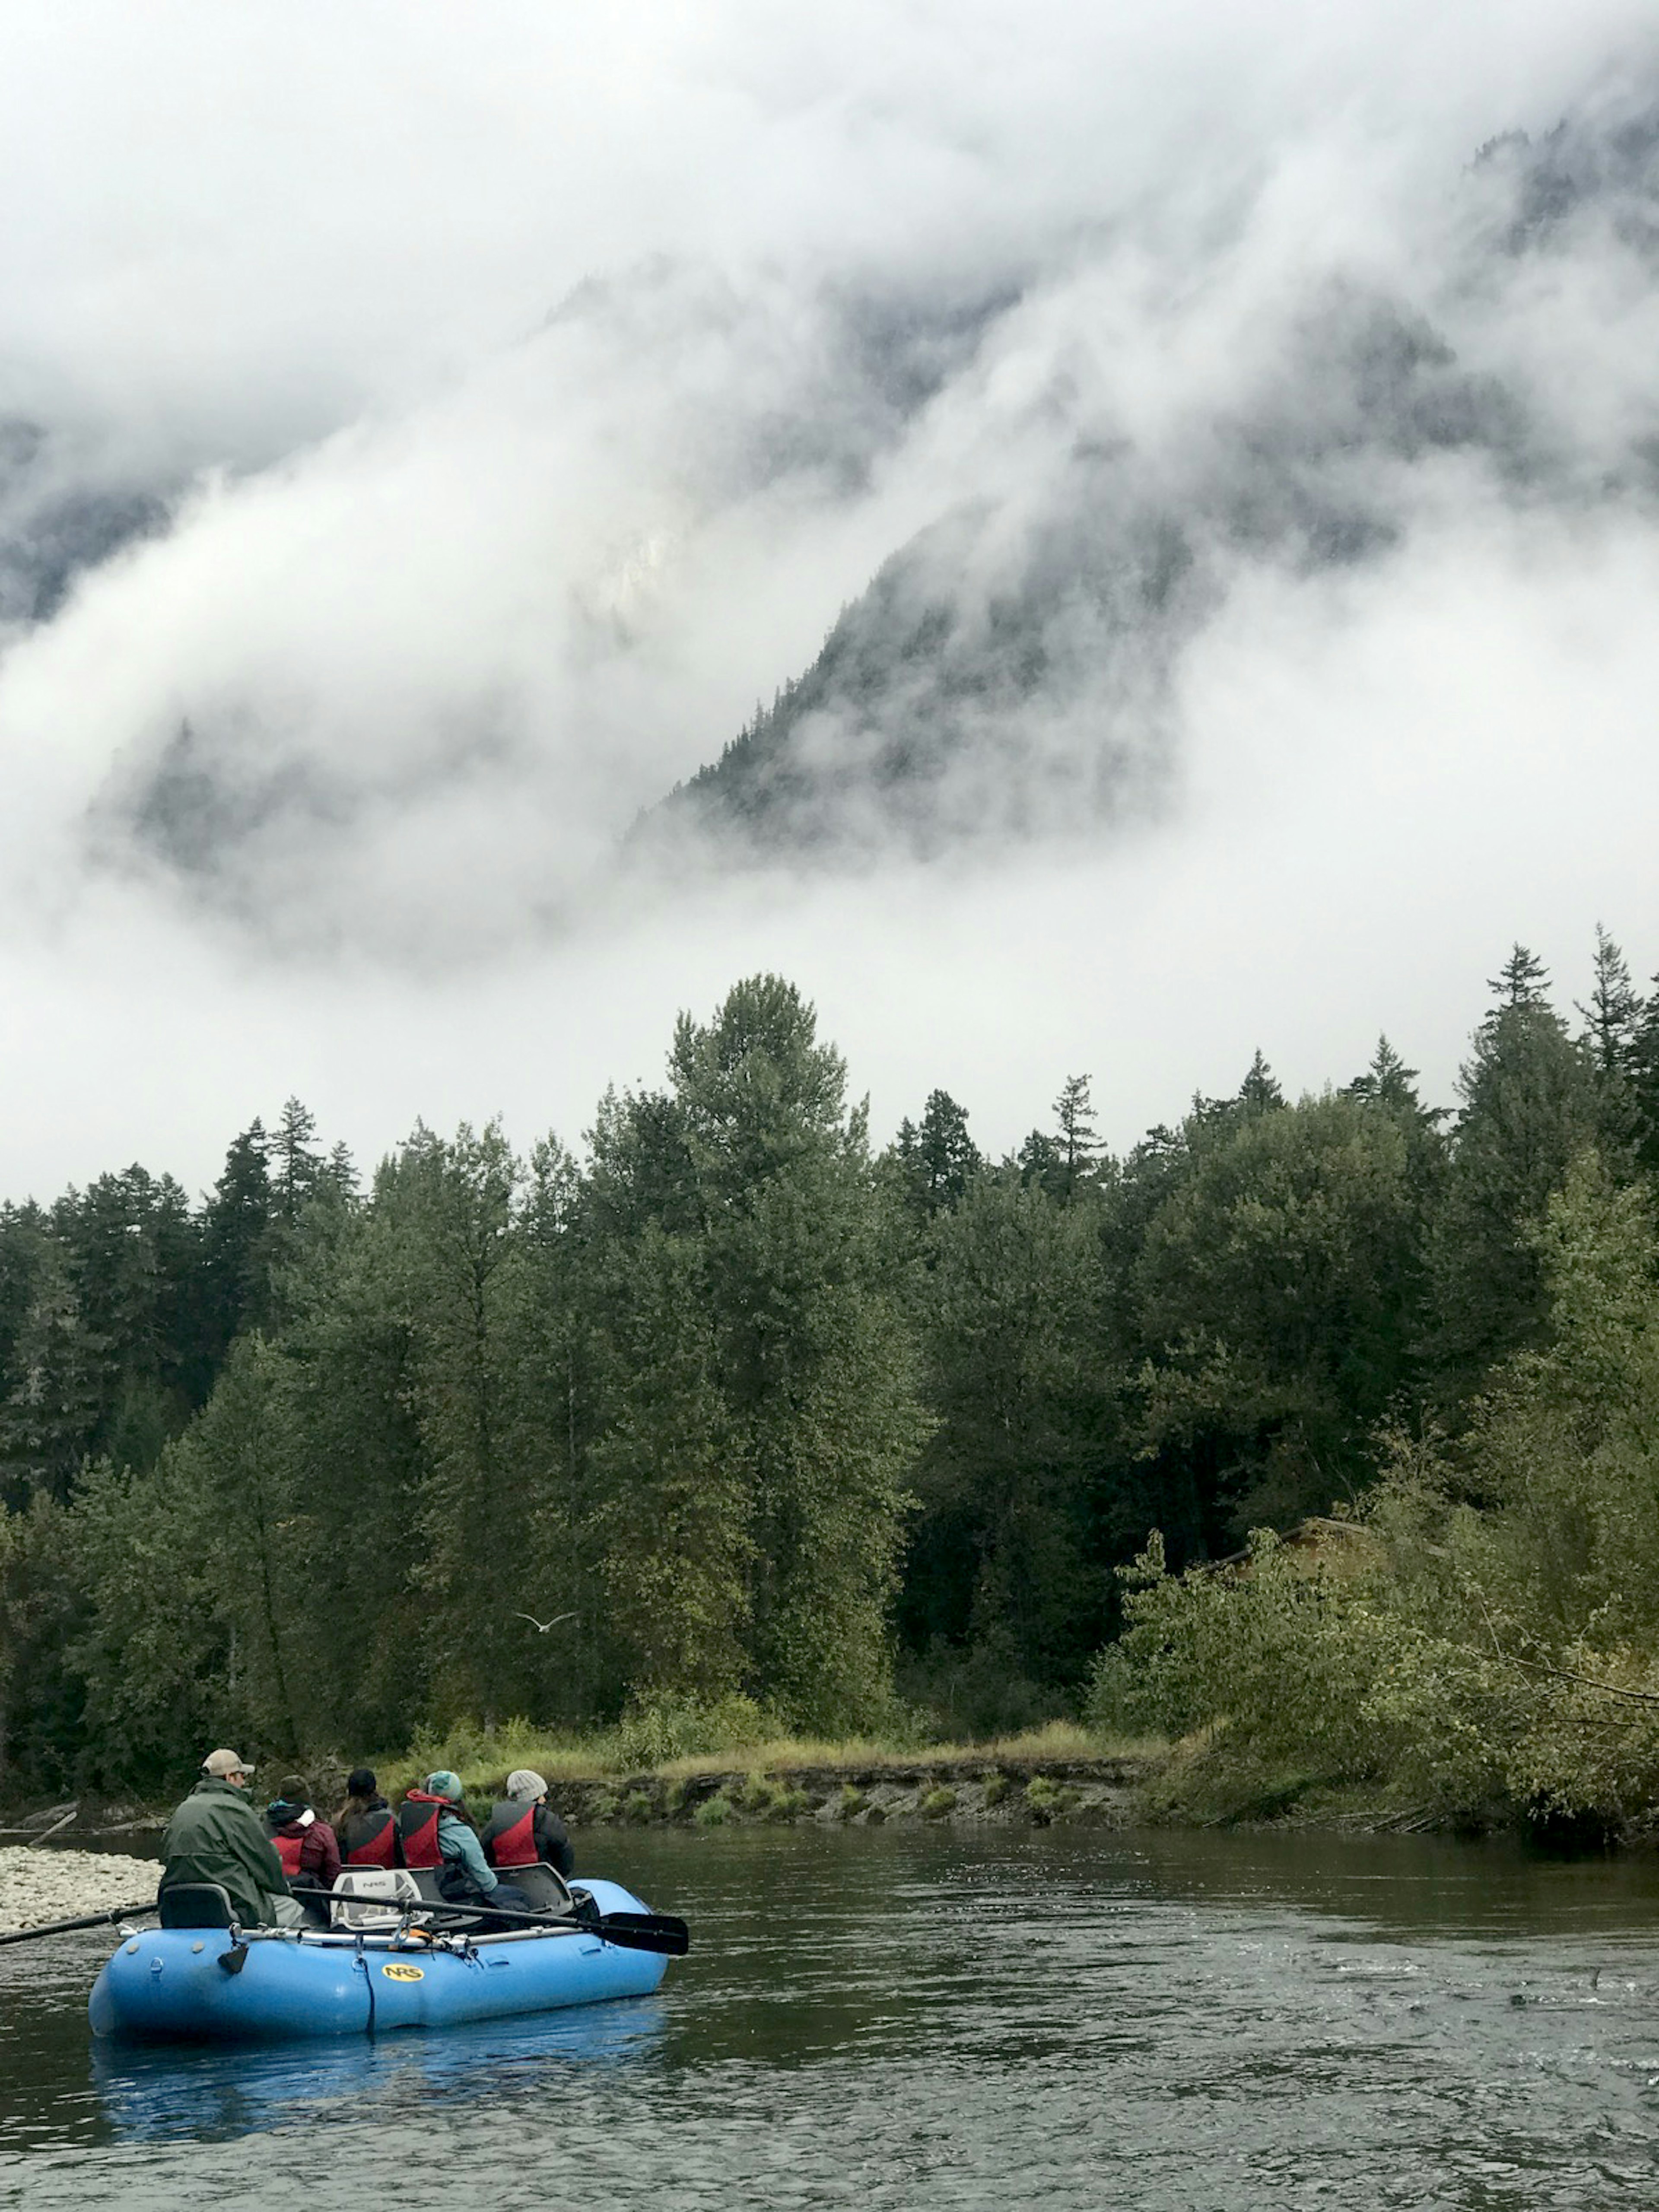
765,1422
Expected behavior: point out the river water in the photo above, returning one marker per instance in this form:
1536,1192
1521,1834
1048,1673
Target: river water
906,2018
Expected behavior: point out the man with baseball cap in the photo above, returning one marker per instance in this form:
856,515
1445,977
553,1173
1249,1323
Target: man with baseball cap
216,1835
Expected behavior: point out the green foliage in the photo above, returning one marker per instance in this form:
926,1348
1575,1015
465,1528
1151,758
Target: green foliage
936,1802
851,1802
1272,1651
650,1734
1485,1639
1529,1108
1282,1281
768,1797
997,1787
1016,1368
766,1418
936,1160
725,1430
1049,1800
714,1812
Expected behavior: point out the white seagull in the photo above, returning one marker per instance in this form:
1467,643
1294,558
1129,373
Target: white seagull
543,1625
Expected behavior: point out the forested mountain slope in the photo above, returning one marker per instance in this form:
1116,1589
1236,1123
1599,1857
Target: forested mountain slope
1016,666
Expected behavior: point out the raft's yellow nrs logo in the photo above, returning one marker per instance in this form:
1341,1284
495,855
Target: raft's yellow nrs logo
405,1973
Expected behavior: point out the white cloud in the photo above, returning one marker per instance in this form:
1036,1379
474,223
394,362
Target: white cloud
455,584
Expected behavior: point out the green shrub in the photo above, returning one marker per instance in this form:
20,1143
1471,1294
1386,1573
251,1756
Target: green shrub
638,1807
852,1801
654,1730
1274,1650
1049,1800
938,1802
714,1812
997,1787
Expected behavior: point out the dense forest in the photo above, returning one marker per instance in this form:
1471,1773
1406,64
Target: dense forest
766,1424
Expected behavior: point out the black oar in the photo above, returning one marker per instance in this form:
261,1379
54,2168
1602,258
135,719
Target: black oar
87,1920
629,1931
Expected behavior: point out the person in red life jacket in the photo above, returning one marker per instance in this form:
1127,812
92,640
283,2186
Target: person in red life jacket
437,1830
366,1825
306,1845
524,1829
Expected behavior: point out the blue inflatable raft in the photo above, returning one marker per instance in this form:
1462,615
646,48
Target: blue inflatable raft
166,1984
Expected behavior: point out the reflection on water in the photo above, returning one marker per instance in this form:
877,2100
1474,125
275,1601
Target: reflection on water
904,2018
208,2095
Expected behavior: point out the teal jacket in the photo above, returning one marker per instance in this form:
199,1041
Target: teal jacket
216,1835
459,1842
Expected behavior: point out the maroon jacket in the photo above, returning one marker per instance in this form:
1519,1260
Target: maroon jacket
309,1851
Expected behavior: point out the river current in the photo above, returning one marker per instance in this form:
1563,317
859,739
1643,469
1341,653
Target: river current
910,2017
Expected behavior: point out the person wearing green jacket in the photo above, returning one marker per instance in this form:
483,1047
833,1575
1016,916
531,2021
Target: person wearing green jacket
216,1835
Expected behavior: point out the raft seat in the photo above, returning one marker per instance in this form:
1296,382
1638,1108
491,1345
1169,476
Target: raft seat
544,1886
374,1897
195,1904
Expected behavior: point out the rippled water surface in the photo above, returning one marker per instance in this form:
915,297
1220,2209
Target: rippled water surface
910,2019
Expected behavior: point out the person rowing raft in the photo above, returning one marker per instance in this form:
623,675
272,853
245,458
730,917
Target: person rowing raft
216,1836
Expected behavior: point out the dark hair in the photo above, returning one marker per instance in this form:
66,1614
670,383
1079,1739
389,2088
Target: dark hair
359,1797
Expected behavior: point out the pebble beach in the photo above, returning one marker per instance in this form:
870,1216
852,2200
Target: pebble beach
37,1886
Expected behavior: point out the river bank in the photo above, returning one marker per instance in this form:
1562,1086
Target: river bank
959,1786
1060,1776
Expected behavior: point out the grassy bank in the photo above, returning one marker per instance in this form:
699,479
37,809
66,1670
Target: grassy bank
1060,1771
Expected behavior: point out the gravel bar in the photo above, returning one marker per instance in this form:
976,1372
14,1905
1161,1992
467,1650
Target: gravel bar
41,1886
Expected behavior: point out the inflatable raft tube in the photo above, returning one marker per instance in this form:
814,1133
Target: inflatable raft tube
166,1985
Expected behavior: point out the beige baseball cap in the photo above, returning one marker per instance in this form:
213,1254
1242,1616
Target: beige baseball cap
225,1762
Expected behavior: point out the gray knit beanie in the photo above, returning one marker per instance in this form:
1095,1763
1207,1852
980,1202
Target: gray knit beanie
525,1785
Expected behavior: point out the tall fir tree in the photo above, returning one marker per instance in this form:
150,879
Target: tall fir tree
1528,1109
1077,1146
937,1159
1612,1023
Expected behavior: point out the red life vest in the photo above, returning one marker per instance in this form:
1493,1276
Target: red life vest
418,1827
370,1839
514,1846
288,1849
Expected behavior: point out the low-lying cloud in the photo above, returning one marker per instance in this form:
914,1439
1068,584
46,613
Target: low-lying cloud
425,441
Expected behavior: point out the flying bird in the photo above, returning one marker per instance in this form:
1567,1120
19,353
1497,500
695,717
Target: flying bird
543,1625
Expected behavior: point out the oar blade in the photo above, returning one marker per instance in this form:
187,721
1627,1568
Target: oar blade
646,1931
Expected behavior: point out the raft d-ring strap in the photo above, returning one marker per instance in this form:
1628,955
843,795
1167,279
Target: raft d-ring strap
362,1964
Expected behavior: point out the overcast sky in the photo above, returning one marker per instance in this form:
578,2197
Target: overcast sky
504,396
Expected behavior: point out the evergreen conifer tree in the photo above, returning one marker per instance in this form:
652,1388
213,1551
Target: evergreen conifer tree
1529,1108
1612,1022
936,1158
1259,1093
1645,1082
1077,1147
